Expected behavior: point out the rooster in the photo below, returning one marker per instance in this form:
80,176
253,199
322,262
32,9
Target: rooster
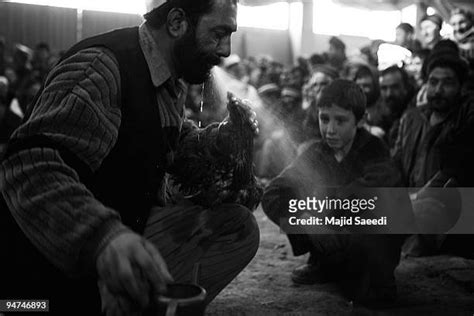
215,165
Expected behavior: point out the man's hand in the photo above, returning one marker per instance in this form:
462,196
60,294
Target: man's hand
130,270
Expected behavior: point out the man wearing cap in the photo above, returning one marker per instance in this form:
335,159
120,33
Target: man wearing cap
396,92
462,22
337,53
430,30
433,147
85,171
404,36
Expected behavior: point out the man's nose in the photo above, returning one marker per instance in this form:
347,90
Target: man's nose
224,48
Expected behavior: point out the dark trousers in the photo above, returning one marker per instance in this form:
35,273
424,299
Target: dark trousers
221,241
352,260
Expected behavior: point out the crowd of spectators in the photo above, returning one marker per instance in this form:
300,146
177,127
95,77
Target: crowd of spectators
287,96
284,97
22,72
420,108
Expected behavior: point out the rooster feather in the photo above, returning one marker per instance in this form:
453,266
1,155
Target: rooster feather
210,179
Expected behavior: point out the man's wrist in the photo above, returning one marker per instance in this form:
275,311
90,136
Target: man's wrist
98,241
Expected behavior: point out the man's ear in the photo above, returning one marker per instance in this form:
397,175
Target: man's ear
177,23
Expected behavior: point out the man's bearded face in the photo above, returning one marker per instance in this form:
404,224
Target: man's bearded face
443,89
195,63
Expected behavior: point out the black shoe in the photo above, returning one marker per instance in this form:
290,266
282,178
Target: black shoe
308,274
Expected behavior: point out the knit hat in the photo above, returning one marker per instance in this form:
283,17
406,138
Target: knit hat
435,18
444,56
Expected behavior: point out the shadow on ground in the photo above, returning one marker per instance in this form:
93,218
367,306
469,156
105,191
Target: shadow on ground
441,285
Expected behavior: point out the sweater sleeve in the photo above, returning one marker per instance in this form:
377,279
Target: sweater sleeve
77,115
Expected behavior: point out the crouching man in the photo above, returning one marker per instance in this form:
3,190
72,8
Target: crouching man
83,171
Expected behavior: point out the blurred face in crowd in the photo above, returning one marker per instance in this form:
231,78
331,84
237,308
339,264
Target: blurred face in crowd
336,52
429,33
443,88
290,103
393,91
203,45
402,37
316,84
338,127
297,77
271,99
413,67
460,24
366,83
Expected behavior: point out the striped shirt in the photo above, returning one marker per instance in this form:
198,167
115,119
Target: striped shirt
79,109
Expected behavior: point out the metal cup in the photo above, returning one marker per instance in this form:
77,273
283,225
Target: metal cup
181,299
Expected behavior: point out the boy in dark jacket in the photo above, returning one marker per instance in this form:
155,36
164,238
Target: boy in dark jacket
346,160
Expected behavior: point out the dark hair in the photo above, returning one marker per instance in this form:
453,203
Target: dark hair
317,59
367,71
337,43
194,10
443,47
345,94
447,59
407,27
446,45
401,71
423,53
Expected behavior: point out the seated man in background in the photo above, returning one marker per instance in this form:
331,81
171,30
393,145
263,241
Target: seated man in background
430,28
367,78
346,159
434,149
405,37
462,22
396,93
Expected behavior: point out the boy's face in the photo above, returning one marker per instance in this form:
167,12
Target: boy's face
338,127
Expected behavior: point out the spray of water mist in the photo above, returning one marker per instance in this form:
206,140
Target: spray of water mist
270,117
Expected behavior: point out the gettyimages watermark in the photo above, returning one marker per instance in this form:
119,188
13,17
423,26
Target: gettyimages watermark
382,211
354,206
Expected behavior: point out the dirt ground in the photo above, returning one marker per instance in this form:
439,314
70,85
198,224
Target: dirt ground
440,285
